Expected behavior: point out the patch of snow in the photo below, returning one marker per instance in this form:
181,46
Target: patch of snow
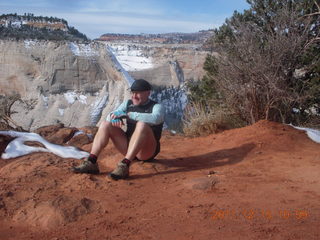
313,134
83,99
83,50
131,58
78,133
90,136
72,96
61,111
173,132
295,110
29,43
16,24
314,111
119,67
174,101
45,100
17,148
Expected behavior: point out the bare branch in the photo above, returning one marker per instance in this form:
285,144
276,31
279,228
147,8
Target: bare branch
312,41
318,6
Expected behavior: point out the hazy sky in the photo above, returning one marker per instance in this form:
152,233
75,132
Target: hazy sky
96,17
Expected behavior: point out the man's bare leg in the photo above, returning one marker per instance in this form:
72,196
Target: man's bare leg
142,144
105,132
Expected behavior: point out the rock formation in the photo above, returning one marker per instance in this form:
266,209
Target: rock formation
60,81
77,84
161,64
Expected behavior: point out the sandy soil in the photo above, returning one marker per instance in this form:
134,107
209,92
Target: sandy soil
257,182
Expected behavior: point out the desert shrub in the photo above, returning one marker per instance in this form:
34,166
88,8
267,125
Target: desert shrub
266,62
200,120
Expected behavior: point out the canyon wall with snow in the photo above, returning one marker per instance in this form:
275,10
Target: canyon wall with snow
64,82
161,64
78,84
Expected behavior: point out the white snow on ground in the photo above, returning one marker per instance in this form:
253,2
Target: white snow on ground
17,148
80,49
119,67
78,133
71,97
131,58
313,134
82,133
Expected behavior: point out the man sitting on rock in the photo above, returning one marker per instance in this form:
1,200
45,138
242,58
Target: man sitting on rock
141,140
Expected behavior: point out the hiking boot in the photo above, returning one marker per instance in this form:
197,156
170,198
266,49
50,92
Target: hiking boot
86,167
121,172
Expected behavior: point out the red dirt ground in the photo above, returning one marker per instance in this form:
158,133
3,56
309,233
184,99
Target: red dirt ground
257,182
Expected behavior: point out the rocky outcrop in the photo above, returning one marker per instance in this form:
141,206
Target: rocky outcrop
78,84
60,81
161,64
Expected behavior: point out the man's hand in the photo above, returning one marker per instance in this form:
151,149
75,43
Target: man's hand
116,118
117,122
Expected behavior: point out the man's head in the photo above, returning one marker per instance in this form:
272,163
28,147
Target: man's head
140,90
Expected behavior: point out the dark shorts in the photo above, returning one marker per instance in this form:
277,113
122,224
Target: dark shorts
128,134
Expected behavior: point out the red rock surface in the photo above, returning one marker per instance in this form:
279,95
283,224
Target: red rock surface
257,182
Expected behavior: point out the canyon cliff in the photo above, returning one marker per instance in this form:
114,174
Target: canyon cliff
77,84
60,81
163,59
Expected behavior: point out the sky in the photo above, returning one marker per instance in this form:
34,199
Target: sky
96,17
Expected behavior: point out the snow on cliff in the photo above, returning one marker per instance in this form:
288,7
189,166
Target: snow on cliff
83,49
29,43
131,57
72,96
119,67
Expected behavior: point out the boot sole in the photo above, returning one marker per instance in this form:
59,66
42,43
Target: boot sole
88,172
117,177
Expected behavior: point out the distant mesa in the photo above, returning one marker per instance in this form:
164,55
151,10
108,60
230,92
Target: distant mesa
28,26
164,38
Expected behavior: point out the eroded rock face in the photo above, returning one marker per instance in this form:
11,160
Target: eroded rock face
161,64
79,84
60,82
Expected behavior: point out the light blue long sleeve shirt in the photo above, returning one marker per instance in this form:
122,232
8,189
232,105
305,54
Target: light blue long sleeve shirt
154,118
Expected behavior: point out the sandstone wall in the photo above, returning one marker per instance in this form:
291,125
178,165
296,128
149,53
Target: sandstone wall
165,64
60,81
79,84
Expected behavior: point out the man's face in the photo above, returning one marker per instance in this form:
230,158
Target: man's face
139,97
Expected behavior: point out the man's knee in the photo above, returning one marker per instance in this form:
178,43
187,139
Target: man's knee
105,126
142,126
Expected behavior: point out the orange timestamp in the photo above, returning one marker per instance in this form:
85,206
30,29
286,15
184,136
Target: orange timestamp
251,214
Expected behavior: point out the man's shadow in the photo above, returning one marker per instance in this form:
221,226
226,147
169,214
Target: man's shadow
204,161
